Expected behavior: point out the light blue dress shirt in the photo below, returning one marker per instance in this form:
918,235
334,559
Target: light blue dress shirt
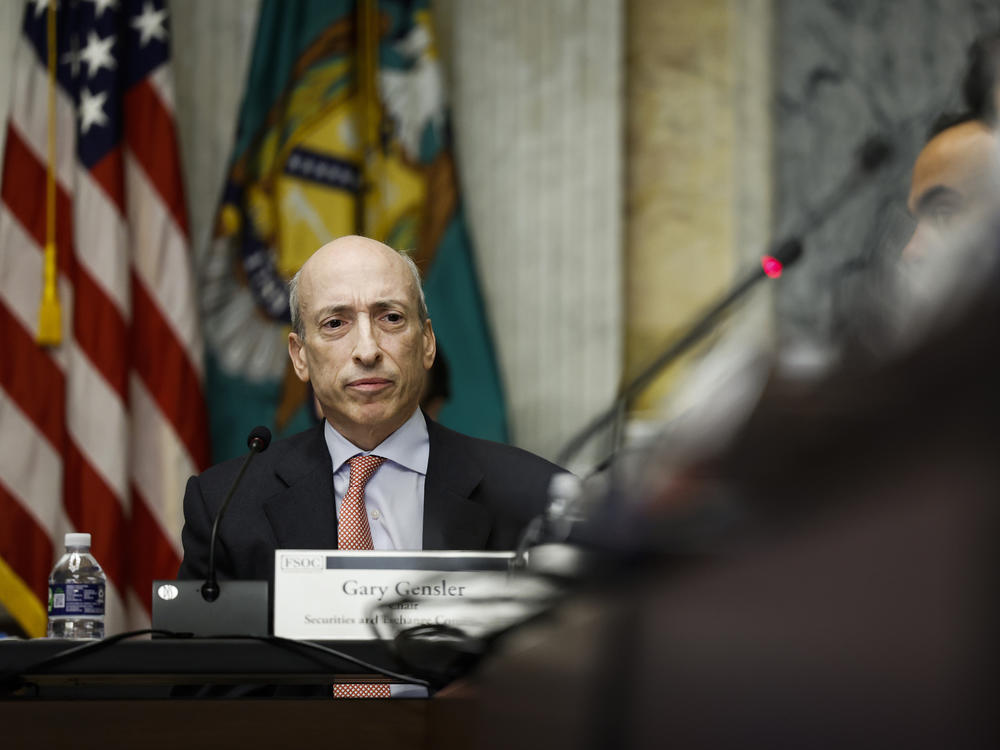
394,496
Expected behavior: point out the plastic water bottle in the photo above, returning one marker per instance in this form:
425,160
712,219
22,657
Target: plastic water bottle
76,593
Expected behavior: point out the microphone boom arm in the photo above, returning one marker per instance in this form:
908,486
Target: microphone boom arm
787,253
259,439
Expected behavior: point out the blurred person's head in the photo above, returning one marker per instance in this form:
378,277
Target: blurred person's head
956,178
955,186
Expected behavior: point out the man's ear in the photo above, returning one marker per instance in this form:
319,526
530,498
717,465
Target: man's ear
430,345
297,353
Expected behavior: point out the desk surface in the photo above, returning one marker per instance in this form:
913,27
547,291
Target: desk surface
189,660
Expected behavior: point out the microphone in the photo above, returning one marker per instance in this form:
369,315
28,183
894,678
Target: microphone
207,609
771,266
257,441
874,153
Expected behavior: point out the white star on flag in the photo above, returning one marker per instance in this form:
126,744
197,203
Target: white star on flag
97,53
150,24
102,5
92,109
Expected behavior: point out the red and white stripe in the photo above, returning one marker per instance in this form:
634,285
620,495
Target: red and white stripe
100,433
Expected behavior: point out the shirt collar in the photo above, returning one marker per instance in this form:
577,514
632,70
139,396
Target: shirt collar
408,446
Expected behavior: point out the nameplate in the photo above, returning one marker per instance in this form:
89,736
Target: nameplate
339,595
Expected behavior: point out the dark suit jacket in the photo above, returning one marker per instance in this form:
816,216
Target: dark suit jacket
478,495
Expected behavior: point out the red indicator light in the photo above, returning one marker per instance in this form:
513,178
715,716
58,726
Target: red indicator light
772,266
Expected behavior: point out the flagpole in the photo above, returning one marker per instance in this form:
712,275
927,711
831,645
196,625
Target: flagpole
49,314
367,64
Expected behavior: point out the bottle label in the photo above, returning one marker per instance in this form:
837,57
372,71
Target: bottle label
69,599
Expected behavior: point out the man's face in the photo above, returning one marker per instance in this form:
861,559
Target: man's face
954,187
364,350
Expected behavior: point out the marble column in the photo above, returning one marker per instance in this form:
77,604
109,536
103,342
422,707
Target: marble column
698,155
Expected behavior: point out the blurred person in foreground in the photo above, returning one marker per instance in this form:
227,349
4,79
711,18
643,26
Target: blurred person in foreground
362,338
826,577
825,574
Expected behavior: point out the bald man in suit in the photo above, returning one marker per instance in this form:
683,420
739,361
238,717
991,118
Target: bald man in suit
361,336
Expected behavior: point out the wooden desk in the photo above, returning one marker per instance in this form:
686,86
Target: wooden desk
121,697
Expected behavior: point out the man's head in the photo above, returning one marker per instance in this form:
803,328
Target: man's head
361,336
955,185
956,179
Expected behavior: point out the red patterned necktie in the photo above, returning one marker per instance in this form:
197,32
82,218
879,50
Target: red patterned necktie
353,532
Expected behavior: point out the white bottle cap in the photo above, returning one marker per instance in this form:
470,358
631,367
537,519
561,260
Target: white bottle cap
77,540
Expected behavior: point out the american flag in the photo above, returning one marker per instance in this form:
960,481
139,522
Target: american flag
97,433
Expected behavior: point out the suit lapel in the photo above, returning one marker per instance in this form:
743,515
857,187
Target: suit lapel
451,519
304,516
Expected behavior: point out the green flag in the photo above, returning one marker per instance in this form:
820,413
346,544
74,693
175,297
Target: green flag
343,130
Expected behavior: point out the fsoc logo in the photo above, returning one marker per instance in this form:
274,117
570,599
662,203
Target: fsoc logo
303,563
